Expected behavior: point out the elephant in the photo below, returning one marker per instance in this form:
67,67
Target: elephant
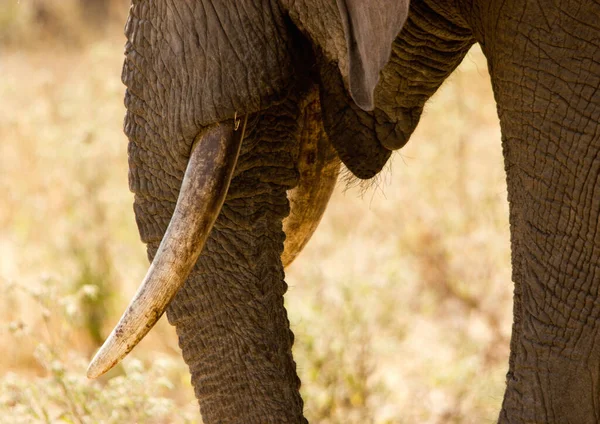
239,114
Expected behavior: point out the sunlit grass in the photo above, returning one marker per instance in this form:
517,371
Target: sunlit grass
400,303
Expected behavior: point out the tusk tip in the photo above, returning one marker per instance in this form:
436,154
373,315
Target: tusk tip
93,371
104,360
98,367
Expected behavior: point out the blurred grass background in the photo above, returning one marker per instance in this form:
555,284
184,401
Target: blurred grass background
400,303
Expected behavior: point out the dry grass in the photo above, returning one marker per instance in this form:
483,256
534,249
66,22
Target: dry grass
400,304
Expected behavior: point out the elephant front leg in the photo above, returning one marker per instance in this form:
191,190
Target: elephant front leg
545,80
554,195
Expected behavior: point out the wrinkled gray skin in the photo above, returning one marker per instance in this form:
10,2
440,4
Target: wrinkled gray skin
190,63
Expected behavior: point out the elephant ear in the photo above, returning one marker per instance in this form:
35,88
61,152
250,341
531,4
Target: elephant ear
370,27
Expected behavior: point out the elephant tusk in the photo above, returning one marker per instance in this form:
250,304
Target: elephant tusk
318,165
203,191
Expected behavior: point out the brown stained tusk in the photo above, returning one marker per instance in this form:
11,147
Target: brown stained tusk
203,190
318,165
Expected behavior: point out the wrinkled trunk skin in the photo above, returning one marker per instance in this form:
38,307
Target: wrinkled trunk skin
546,73
230,318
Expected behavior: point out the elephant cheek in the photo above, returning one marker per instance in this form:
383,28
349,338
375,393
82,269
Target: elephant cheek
195,63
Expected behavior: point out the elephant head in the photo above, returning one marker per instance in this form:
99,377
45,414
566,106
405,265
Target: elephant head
232,108
237,110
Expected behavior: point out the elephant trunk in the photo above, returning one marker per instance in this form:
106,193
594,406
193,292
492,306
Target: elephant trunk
230,317
229,314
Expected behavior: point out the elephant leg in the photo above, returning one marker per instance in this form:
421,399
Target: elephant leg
546,73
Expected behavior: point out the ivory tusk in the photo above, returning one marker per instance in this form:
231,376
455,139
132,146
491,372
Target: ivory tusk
318,165
203,191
